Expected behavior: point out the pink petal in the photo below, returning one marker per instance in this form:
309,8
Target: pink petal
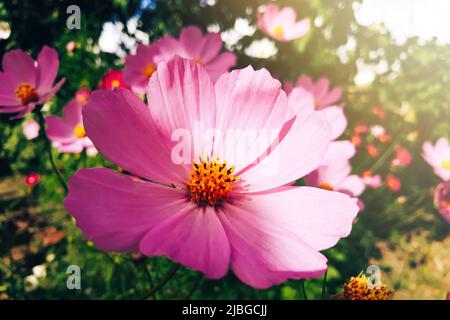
306,83
220,65
251,110
115,211
353,185
191,38
297,30
20,67
52,92
265,247
193,237
58,130
212,43
121,128
31,129
181,99
8,96
339,151
298,153
321,88
48,64
331,98
337,120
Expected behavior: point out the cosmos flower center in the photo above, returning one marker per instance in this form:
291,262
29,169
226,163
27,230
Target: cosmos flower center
26,93
210,181
326,186
358,289
79,131
278,31
446,164
115,83
149,70
198,61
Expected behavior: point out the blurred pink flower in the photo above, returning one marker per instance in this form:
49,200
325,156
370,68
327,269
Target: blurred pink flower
67,134
32,179
371,181
356,140
281,24
334,172
324,101
379,112
113,79
402,157
438,156
361,128
192,44
206,214
31,129
25,83
442,199
82,95
392,182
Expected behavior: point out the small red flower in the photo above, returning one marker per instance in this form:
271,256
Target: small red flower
356,140
379,112
372,150
402,157
361,128
393,183
32,179
113,79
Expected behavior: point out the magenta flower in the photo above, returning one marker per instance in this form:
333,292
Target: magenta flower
334,173
32,179
281,24
393,183
25,83
442,199
438,157
402,157
228,208
113,79
370,180
325,101
67,134
192,44
31,129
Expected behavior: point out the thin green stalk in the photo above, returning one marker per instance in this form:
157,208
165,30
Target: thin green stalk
324,285
164,281
48,148
305,297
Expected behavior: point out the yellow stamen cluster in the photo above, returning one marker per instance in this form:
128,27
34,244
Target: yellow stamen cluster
115,83
326,186
210,181
278,31
149,70
358,289
26,93
79,131
446,164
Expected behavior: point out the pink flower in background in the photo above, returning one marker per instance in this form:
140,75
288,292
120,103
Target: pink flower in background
438,156
356,140
402,157
372,150
324,101
113,79
32,179
370,180
192,44
361,128
442,199
82,96
334,173
281,24
67,134
392,182
140,66
379,112
25,83
208,214
31,129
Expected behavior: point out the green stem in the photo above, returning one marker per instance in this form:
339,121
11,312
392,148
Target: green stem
304,290
195,287
164,281
324,284
48,148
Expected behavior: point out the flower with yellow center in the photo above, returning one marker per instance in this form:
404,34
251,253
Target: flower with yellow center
278,31
210,181
446,164
358,289
79,131
26,93
115,83
149,70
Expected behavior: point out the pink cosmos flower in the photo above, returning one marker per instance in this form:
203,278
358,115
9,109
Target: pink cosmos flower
25,83
324,101
334,173
438,156
67,133
113,79
402,157
392,182
281,24
31,129
208,214
442,199
370,180
192,44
